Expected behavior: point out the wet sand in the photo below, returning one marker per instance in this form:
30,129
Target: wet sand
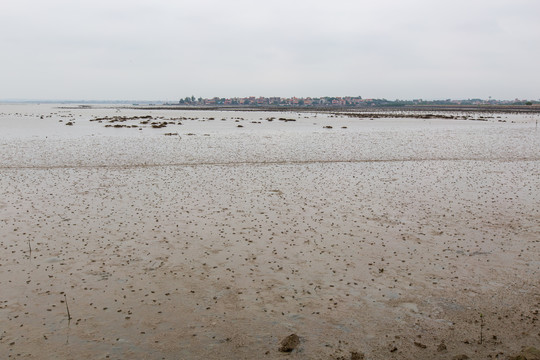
385,236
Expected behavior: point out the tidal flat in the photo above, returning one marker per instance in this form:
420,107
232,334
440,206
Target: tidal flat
183,234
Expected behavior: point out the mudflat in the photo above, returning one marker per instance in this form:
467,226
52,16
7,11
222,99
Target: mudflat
217,234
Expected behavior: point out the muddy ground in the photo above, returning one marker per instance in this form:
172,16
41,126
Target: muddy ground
397,238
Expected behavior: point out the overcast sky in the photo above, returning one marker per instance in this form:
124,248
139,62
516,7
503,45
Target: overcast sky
166,49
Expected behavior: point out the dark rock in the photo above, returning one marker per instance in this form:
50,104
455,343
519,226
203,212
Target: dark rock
460,357
420,345
289,343
441,347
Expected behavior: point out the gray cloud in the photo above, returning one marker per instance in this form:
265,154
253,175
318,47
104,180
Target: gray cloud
169,49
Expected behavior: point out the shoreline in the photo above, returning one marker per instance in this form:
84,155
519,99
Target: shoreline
504,109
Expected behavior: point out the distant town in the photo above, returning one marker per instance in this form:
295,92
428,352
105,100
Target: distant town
346,101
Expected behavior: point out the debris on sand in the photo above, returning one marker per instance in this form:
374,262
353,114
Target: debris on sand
530,353
289,343
357,356
354,356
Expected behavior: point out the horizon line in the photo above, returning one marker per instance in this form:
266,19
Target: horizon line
33,100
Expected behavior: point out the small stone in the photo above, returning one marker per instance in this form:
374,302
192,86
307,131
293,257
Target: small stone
420,345
441,347
289,343
460,357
